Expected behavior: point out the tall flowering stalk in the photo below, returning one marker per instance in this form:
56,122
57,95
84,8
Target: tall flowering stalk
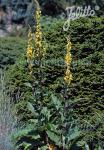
38,33
68,75
37,52
30,51
39,49
39,43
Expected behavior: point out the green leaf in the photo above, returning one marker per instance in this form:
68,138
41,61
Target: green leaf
35,137
46,113
53,127
44,147
56,102
31,108
62,117
54,137
44,110
81,143
73,133
27,146
35,121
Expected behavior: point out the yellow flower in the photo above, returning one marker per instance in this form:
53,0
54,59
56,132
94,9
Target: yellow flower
29,47
44,51
68,46
38,44
38,35
30,51
68,78
68,75
39,49
68,59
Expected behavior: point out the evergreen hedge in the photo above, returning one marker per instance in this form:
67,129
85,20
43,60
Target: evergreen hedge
86,89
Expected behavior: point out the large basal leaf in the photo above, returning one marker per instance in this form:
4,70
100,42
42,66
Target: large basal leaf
73,133
44,147
35,137
54,137
25,145
56,102
53,127
31,108
46,112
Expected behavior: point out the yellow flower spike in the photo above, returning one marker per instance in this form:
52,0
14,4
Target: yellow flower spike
68,46
29,47
68,58
44,51
30,50
68,75
38,50
38,35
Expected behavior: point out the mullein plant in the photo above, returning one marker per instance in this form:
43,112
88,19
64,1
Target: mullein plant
37,52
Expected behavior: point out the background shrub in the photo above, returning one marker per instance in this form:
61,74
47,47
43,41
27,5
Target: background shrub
11,49
86,90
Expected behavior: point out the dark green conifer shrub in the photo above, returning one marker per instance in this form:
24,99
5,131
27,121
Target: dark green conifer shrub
86,90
